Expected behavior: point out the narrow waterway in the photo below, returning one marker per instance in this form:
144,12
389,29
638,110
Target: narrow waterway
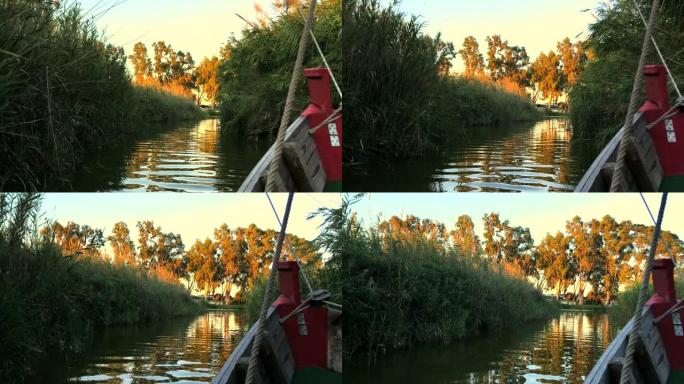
560,350
524,157
182,157
181,350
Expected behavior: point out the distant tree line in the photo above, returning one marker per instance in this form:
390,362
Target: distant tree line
175,71
232,257
585,260
549,75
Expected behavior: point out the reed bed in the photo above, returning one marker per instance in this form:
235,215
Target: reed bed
406,293
62,90
51,302
403,103
255,79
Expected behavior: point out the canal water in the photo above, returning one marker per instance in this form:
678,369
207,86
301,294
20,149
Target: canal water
537,156
182,157
180,350
560,350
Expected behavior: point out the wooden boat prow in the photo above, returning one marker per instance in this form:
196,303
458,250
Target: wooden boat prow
644,174
651,359
278,361
300,341
299,170
659,352
312,151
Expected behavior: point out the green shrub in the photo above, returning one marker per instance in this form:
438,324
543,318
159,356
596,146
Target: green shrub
600,99
255,80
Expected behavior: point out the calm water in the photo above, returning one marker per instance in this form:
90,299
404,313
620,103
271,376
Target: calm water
520,157
190,157
561,350
182,350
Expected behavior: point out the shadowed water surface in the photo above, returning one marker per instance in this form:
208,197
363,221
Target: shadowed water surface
183,350
513,158
560,350
183,157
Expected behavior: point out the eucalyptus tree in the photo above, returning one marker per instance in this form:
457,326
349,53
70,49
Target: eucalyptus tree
204,267
122,245
553,262
74,239
465,238
472,58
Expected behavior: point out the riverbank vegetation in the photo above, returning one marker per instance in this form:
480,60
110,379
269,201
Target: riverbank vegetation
411,282
230,262
415,280
601,97
403,92
409,100
55,301
256,67
63,90
61,282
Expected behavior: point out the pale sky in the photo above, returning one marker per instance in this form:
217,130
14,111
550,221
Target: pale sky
198,26
535,24
194,216
541,213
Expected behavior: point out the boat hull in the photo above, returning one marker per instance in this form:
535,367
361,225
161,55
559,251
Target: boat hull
651,361
644,171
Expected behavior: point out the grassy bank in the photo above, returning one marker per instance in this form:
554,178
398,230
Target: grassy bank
53,302
402,101
408,292
255,80
155,105
64,90
600,99
460,103
583,307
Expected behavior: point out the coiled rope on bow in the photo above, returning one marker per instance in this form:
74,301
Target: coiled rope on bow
266,302
619,181
297,75
627,374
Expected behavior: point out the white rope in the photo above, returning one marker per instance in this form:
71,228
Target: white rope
331,117
672,112
662,58
325,61
294,255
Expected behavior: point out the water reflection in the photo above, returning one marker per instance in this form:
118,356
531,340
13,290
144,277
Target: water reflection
519,157
178,351
563,349
183,157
